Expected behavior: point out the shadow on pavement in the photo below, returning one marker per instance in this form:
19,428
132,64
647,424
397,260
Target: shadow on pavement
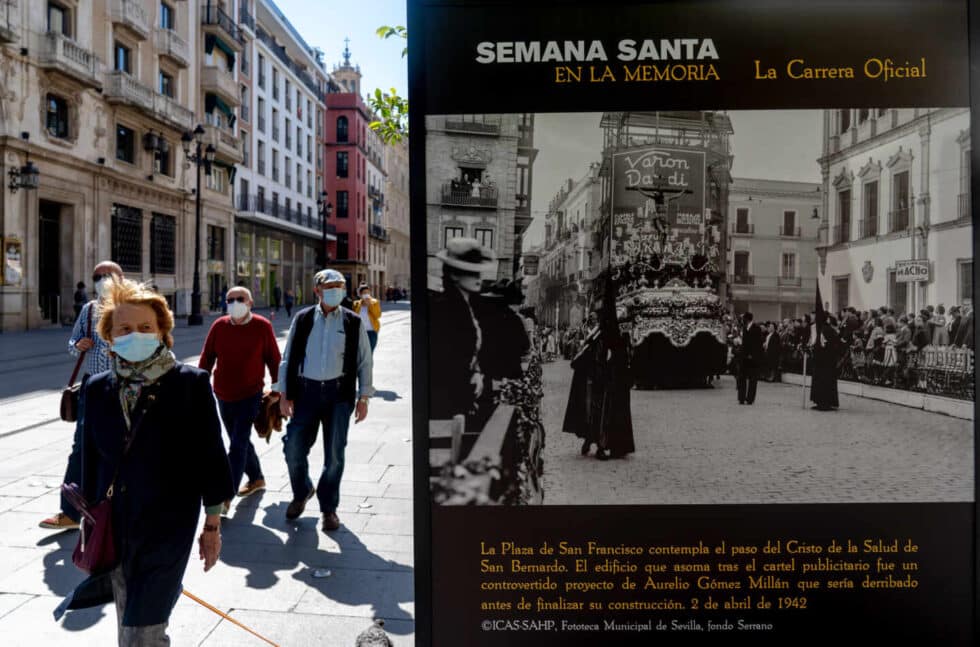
387,396
61,578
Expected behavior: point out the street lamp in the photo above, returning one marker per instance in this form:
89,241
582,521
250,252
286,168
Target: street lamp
200,158
324,208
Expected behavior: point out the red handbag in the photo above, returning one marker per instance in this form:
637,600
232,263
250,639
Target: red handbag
96,549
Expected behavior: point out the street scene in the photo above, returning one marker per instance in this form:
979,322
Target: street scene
680,314
287,581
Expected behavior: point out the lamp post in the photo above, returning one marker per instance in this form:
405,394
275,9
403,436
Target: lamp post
324,208
199,158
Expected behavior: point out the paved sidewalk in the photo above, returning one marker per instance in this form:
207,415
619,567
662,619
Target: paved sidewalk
265,576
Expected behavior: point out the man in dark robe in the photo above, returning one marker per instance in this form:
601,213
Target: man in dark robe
753,358
583,413
825,345
616,428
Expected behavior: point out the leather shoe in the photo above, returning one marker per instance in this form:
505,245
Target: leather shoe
586,446
330,521
297,506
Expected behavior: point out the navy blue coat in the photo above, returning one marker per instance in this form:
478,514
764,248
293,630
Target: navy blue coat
175,466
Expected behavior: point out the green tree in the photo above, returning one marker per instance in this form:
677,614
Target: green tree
391,110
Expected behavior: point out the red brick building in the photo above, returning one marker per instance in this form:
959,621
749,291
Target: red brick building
345,133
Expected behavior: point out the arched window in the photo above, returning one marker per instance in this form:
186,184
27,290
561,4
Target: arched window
341,129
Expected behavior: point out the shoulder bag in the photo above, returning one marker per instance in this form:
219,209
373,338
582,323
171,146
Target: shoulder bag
69,396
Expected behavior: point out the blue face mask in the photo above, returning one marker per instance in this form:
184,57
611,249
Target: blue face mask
331,297
136,346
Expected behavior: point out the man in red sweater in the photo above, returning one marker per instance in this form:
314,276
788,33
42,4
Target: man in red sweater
243,344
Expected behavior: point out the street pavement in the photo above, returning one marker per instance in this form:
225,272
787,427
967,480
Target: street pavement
265,576
699,446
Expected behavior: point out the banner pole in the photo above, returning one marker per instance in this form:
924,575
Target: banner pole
804,380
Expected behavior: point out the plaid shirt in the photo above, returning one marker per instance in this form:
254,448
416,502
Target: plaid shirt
97,358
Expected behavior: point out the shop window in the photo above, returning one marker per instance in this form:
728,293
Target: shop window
163,237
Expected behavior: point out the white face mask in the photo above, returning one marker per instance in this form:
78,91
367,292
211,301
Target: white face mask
238,310
101,287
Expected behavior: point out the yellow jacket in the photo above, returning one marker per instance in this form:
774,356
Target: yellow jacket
374,311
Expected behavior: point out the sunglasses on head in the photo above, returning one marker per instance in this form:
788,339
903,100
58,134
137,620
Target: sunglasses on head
98,277
238,299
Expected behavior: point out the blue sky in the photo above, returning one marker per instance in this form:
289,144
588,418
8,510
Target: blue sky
325,24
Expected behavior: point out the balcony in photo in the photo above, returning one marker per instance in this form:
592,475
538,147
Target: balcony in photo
215,21
487,127
228,147
218,80
790,232
170,44
457,194
743,229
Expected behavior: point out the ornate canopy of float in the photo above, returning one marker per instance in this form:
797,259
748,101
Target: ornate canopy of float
676,310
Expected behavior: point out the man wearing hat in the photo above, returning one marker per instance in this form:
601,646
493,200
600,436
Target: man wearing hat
325,375
369,310
455,332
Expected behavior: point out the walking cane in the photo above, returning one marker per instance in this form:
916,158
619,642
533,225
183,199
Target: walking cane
226,617
804,379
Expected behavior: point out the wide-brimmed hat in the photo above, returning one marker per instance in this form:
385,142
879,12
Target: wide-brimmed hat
467,254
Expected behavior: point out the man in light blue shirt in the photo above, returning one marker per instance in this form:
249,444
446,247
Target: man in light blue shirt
327,354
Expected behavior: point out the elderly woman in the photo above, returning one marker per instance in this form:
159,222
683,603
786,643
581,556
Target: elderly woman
151,441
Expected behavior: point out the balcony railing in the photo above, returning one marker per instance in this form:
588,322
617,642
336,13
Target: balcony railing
488,128
790,232
243,112
170,111
226,144
275,173
460,195
130,14
790,281
375,194
841,234
743,279
212,16
275,133
868,227
289,180
58,52
379,233
122,88
898,220
743,229
261,122
9,21
245,19
260,166
525,136
282,55
963,210
170,44
259,204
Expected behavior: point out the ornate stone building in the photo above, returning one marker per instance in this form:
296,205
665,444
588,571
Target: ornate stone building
397,215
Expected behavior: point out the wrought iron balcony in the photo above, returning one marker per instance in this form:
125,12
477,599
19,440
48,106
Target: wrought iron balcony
743,279
868,227
790,281
379,233
963,210
790,232
217,22
375,194
487,128
743,229
61,54
130,15
841,234
171,45
457,194
898,220
245,19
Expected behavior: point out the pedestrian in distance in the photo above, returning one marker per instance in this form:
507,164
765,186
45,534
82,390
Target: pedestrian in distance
289,300
151,445
80,298
243,345
325,376
369,309
276,299
753,358
85,339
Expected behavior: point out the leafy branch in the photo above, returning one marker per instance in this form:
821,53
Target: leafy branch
391,109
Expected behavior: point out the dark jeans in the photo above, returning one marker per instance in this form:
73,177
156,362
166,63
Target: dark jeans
373,338
238,418
746,383
316,404
73,473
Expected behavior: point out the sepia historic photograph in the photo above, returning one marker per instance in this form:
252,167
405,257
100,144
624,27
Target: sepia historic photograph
696,307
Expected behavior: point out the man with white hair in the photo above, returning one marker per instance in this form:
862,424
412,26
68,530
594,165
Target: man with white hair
244,345
325,375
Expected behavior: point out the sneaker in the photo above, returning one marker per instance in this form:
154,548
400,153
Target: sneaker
330,521
60,521
252,487
297,506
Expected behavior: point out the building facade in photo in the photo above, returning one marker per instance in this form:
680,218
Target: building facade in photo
895,220
772,258
397,215
96,98
478,184
570,259
346,160
378,236
279,225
